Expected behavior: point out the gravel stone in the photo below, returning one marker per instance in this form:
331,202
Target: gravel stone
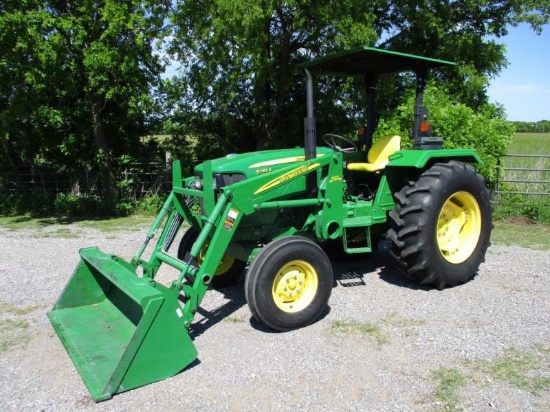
242,366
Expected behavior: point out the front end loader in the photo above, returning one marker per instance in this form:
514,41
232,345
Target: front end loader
277,212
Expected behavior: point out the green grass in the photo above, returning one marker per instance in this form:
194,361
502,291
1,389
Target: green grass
530,143
235,319
521,232
362,328
14,331
376,329
526,370
396,320
62,225
448,382
520,368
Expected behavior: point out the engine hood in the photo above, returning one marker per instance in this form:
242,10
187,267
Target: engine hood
256,163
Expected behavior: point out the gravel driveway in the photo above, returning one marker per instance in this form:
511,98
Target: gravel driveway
384,344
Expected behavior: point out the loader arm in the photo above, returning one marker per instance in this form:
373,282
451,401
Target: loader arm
235,202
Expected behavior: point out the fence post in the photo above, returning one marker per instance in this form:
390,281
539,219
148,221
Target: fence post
497,184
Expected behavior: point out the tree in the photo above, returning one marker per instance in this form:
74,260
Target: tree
239,61
75,79
239,84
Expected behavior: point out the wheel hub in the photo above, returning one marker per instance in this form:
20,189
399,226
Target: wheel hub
225,263
458,227
294,286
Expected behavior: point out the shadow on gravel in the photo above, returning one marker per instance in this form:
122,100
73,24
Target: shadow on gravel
235,295
351,271
56,220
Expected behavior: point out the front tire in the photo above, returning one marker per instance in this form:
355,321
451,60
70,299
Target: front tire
288,284
441,225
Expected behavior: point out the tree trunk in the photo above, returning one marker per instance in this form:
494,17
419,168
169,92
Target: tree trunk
268,104
261,100
14,162
101,142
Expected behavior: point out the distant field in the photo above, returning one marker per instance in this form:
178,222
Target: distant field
158,137
530,143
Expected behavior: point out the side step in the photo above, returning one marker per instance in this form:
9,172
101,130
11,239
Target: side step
358,222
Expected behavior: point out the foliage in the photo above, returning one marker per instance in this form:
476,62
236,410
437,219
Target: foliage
149,205
533,208
77,206
80,81
75,81
485,129
239,87
542,126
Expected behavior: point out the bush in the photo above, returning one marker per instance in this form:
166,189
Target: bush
533,208
485,130
70,205
80,205
38,204
149,205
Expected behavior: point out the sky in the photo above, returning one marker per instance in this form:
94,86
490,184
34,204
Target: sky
523,88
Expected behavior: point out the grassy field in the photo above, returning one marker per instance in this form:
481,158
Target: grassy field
530,143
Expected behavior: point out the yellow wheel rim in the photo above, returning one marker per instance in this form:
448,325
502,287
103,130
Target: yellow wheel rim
295,286
458,227
225,264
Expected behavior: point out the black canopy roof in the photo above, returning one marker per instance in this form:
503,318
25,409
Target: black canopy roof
371,61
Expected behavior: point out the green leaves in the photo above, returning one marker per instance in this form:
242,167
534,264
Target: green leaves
484,129
75,78
240,57
81,77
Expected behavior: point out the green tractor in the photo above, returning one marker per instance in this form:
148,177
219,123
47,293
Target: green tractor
276,212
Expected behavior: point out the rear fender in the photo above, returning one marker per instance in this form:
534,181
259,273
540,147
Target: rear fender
420,158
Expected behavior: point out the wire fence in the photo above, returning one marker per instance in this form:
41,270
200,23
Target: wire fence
135,180
521,177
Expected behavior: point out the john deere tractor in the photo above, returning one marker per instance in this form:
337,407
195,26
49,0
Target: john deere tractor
274,212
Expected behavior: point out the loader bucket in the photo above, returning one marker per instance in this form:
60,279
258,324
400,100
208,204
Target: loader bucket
121,331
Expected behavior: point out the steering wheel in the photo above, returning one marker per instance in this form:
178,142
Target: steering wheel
332,141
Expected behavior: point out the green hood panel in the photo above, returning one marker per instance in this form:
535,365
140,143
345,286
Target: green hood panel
256,163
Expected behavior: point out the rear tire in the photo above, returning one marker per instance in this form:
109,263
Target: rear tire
229,269
288,284
441,225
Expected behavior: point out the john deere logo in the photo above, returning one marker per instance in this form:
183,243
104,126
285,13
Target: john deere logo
287,176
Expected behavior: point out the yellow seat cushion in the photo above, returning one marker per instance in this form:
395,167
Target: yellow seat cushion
379,154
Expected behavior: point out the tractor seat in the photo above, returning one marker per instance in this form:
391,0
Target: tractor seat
379,154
